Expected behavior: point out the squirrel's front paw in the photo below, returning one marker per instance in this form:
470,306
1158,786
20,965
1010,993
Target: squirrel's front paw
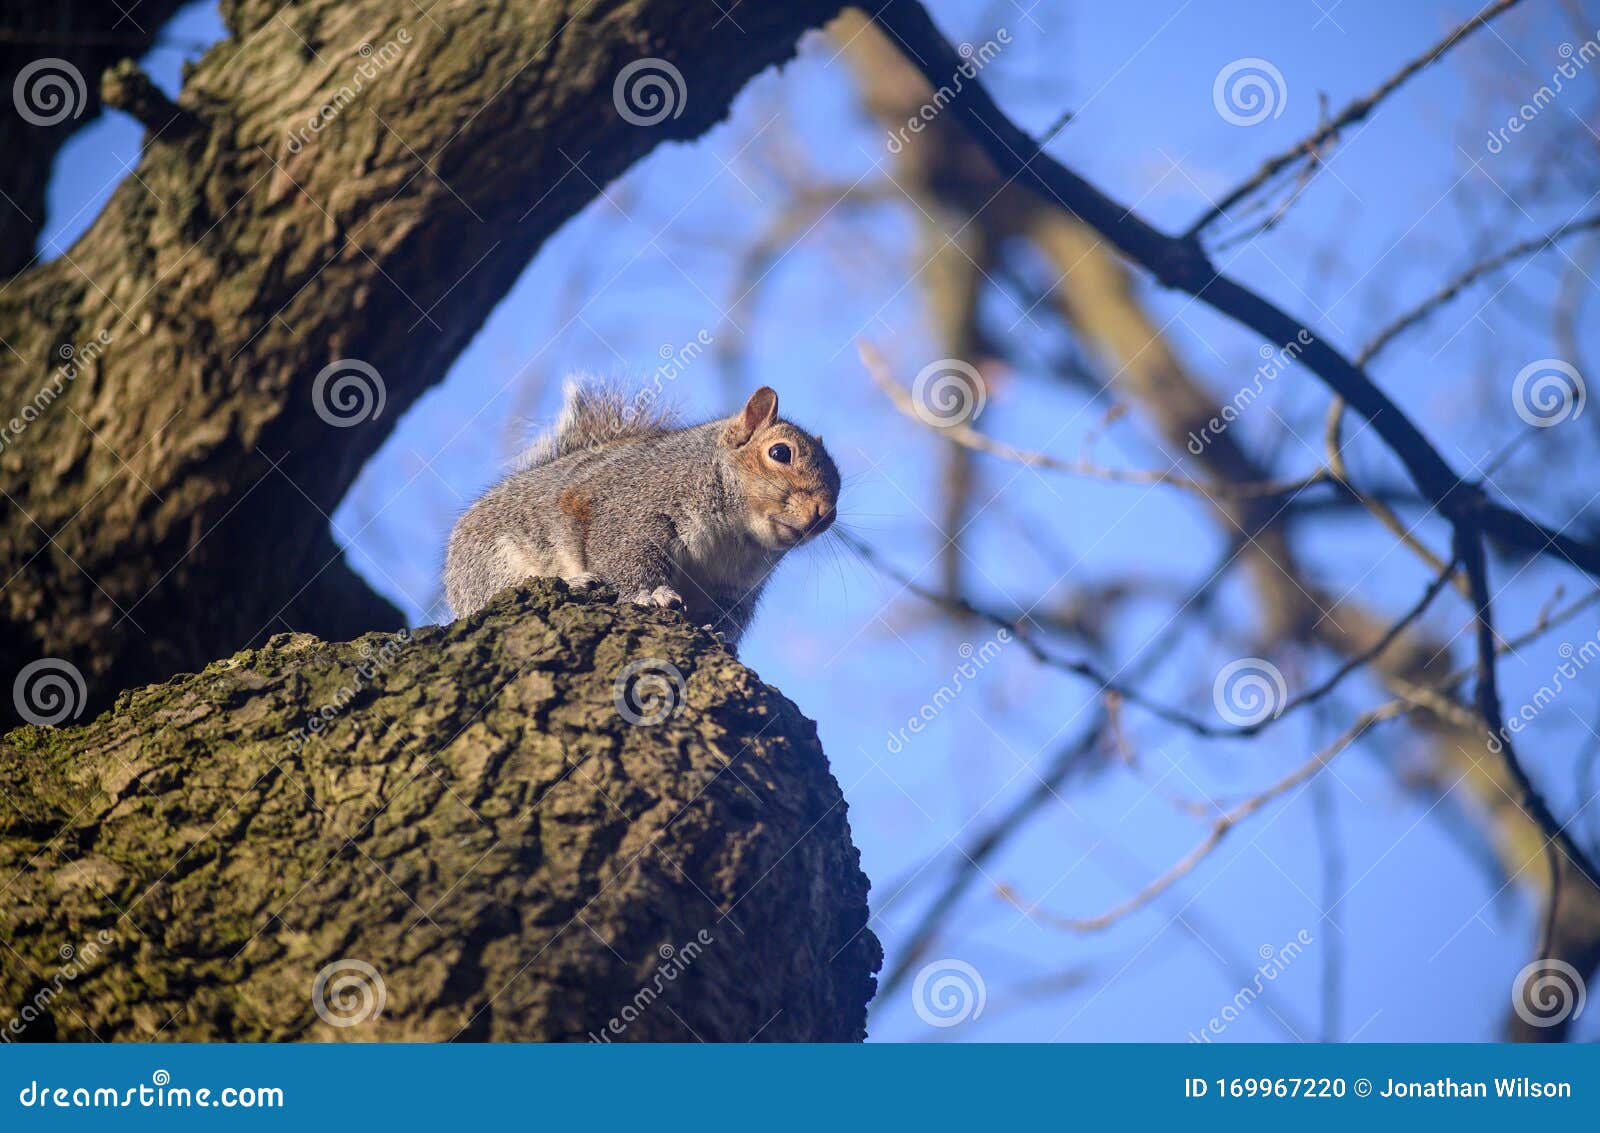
664,597
584,580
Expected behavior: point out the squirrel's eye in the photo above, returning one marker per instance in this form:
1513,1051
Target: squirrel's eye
780,453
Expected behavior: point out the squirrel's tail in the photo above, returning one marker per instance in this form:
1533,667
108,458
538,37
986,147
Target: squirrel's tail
595,415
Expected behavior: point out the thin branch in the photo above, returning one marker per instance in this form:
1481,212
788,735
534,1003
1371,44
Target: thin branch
1355,112
966,436
1023,634
1381,511
1303,182
987,840
1109,685
1475,561
1432,698
1466,278
1219,830
1396,628
1182,263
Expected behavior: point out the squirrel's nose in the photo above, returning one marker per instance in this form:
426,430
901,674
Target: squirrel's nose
822,517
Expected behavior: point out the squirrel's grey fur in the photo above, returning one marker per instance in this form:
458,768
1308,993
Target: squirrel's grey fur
692,516
593,414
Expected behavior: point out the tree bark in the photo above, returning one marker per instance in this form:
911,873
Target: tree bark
50,57
347,181
474,842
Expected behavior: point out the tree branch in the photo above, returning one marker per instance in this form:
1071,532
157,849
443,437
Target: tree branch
1180,262
1349,116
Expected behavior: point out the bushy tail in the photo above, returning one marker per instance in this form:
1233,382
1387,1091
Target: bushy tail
594,415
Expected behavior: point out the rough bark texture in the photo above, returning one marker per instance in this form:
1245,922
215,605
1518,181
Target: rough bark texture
475,820
251,251
88,36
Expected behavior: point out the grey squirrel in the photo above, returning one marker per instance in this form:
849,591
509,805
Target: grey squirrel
687,517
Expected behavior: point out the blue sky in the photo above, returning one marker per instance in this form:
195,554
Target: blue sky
1428,943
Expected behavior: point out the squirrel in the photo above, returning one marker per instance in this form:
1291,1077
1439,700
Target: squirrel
693,518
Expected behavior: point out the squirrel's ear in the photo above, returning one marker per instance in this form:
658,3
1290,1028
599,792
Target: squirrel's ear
759,412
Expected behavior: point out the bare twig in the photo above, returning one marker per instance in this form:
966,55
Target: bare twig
1380,510
1219,830
1475,561
1432,698
1460,282
1108,684
1181,262
966,436
1312,146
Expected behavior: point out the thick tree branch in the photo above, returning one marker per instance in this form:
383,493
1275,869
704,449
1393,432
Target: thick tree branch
490,828
213,363
51,59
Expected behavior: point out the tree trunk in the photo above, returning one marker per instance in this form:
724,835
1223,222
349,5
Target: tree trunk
473,840
346,190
